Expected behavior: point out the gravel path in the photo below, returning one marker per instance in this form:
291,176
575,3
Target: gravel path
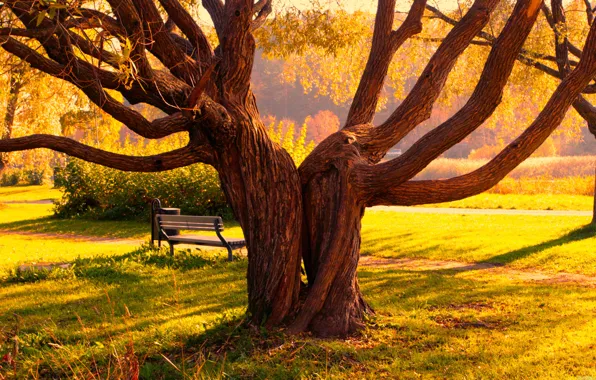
475,211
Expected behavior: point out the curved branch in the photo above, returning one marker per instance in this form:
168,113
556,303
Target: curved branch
263,9
385,43
482,179
581,105
157,163
552,22
216,11
159,42
129,117
190,28
130,22
417,106
490,38
237,49
481,105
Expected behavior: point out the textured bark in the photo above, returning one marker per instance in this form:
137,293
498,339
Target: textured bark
264,192
287,214
332,210
16,84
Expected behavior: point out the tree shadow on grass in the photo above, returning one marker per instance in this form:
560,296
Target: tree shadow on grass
582,233
421,317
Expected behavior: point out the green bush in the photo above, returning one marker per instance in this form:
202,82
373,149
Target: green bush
102,193
97,192
10,178
15,177
34,177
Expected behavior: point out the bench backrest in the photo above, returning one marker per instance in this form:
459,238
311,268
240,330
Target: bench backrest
187,222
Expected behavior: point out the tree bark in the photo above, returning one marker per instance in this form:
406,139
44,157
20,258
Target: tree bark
16,84
313,212
264,192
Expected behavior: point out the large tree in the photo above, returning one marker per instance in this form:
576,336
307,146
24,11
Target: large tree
287,214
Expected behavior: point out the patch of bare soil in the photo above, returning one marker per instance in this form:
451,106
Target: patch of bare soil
528,275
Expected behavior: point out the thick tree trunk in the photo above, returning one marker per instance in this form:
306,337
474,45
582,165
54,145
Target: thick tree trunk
331,241
334,306
262,185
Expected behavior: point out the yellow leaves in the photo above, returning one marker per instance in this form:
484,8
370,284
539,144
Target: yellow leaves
127,70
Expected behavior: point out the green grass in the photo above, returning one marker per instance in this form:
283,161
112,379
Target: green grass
180,317
28,193
543,242
429,324
523,202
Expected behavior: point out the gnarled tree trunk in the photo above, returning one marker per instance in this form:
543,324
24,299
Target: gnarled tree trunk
287,214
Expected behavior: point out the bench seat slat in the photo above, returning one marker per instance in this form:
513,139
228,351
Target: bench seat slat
197,227
190,219
205,240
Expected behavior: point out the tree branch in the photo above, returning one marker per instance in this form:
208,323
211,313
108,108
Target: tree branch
131,22
417,106
553,25
160,162
482,179
216,11
481,105
129,117
190,28
263,9
159,42
385,44
237,49
581,105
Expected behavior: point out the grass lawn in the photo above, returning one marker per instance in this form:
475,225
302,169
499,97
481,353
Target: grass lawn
523,202
543,242
28,193
124,307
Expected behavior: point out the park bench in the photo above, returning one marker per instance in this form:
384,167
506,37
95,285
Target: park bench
169,227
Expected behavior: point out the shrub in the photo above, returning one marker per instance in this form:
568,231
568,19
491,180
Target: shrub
98,192
102,193
15,177
33,177
10,178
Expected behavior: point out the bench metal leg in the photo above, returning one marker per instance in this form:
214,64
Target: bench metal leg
230,255
171,249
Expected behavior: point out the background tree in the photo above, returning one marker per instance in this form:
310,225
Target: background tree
322,125
312,212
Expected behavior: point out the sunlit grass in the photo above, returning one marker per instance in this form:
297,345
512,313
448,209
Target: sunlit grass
181,317
544,242
559,202
29,193
429,324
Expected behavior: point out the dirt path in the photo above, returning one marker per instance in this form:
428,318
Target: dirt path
422,265
526,275
475,211
73,237
38,202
